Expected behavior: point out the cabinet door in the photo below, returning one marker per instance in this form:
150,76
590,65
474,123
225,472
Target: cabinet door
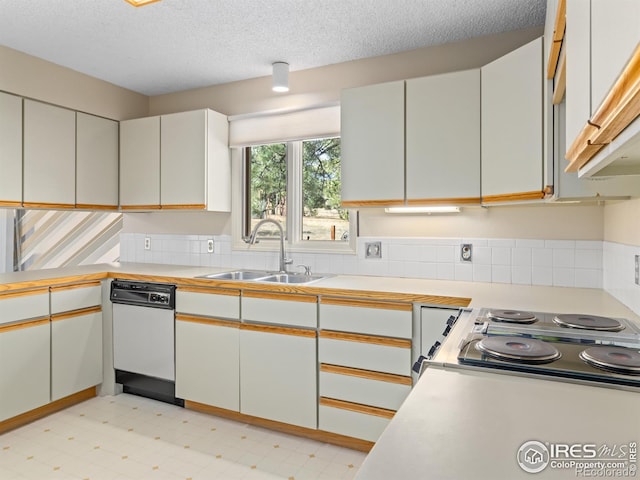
10,150
443,138
512,151
49,155
140,163
97,162
76,352
278,374
208,361
372,139
24,367
615,33
183,143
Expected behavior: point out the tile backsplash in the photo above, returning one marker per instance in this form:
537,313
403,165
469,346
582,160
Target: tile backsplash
565,263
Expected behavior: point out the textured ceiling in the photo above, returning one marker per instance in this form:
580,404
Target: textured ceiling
175,45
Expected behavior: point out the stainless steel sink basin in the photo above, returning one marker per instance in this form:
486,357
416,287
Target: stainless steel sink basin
238,275
291,278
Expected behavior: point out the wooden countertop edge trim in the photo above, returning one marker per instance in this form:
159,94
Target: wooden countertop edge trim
372,203
33,322
318,435
75,313
357,407
48,409
514,197
10,203
207,320
289,297
186,206
140,207
73,286
279,330
93,206
210,290
52,206
362,303
619,108
31,285
444,201
360,338
367,374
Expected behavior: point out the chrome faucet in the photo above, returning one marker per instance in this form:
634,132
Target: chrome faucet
253,239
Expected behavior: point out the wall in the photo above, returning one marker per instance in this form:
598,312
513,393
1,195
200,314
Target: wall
38,79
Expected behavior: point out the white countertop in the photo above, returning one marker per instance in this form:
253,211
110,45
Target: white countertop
462,424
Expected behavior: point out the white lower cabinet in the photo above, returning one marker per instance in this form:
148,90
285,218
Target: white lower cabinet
76,352
207,361
24,367
345,419
278,374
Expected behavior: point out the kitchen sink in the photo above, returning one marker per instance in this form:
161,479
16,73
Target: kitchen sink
238,275
263,276
291,278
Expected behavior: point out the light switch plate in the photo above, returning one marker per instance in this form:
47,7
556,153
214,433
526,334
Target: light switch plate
373,250
466,252
147,243
210,245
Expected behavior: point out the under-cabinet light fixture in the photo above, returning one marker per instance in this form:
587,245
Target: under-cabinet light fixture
427,210
280,77
140,3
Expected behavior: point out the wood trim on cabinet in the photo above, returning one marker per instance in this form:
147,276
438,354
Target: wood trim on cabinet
558,37
210,290
368,374
7,327
181,317
357,337
49,206
318,435
183,206
620,107
93,206
73,286
278,330
24,293
513,197
444,201
364,303
289,297
561,79
48,409
10,203
357,407
140,207
372,203
76,313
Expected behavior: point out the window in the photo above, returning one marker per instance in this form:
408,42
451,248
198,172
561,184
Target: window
298,184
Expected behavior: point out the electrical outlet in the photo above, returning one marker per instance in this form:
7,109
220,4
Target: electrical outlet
637,269
466,252
210,245
147,243
373,250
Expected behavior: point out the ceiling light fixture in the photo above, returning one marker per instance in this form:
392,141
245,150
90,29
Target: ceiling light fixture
428,210
280,77
140,3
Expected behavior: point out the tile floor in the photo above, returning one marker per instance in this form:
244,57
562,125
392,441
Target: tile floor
133,438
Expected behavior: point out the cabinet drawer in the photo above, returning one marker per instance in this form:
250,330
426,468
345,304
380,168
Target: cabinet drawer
219,303
352,420
74,297
365,387
380,354
390,319
15,306
281,309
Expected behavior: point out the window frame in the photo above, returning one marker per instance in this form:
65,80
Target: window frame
293,240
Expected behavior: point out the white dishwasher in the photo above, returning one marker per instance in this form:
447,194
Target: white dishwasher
144,338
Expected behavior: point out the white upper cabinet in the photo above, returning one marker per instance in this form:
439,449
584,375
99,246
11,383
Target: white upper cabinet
177,161
512,140
615,32
195,164
443,138
49,155
96,162
10,150
372,131
140,163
